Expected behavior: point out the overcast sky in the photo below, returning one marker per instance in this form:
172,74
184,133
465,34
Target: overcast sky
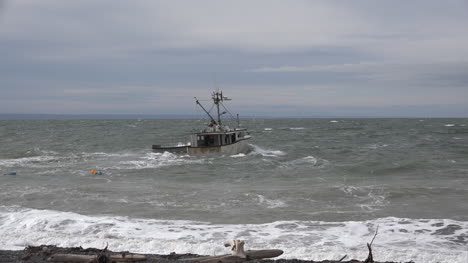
370,58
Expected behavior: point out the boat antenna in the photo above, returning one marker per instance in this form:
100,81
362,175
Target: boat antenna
217,99
199,104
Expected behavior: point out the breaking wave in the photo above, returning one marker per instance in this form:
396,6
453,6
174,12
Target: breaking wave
257,150
398,239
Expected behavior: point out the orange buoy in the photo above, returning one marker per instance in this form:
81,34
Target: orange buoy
93,171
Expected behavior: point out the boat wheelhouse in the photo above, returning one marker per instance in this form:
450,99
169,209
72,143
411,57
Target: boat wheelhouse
216,137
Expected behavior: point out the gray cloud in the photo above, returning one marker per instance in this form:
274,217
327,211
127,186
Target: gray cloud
143,56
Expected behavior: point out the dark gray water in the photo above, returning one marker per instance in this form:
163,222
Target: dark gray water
299,170
306,168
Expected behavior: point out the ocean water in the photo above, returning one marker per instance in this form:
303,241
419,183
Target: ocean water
316,188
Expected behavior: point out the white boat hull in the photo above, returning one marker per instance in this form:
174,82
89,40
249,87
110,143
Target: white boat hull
240,146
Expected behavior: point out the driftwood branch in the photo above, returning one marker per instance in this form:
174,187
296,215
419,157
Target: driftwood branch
103,256
237,248
370,258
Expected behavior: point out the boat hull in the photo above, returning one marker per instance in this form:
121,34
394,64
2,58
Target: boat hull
240,146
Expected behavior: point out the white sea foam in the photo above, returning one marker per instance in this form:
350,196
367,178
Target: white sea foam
35,161
398,239
449,125
334,121
265,152
270,203
309,161
51,159
125,160
156,160
268,129
368,198
103,154
297,128
375,146
238,155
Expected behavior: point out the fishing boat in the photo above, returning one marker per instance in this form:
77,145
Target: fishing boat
217,137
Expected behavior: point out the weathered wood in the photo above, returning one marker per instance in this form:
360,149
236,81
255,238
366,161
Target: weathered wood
370,258
198,259
341,259
237,248
224,259
250,254
93,258
264,253
73,258
127,257
238,254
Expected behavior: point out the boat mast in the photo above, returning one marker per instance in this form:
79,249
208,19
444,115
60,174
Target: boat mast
209,115
216,99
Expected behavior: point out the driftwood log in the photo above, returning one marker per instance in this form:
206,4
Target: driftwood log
238,254
73,258
94,258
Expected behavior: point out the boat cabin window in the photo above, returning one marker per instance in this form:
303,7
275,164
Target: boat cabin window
216,139
211,140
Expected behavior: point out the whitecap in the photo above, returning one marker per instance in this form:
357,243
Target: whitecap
297,128
265,152
157,160
449,125
35,161
268,129
334,121
270,203
238,155
305,160
375,146
104,154
308,161
368,198
398,239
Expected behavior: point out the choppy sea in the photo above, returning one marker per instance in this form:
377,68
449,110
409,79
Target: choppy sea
315,188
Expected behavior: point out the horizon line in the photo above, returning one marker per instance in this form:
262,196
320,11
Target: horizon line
97,116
